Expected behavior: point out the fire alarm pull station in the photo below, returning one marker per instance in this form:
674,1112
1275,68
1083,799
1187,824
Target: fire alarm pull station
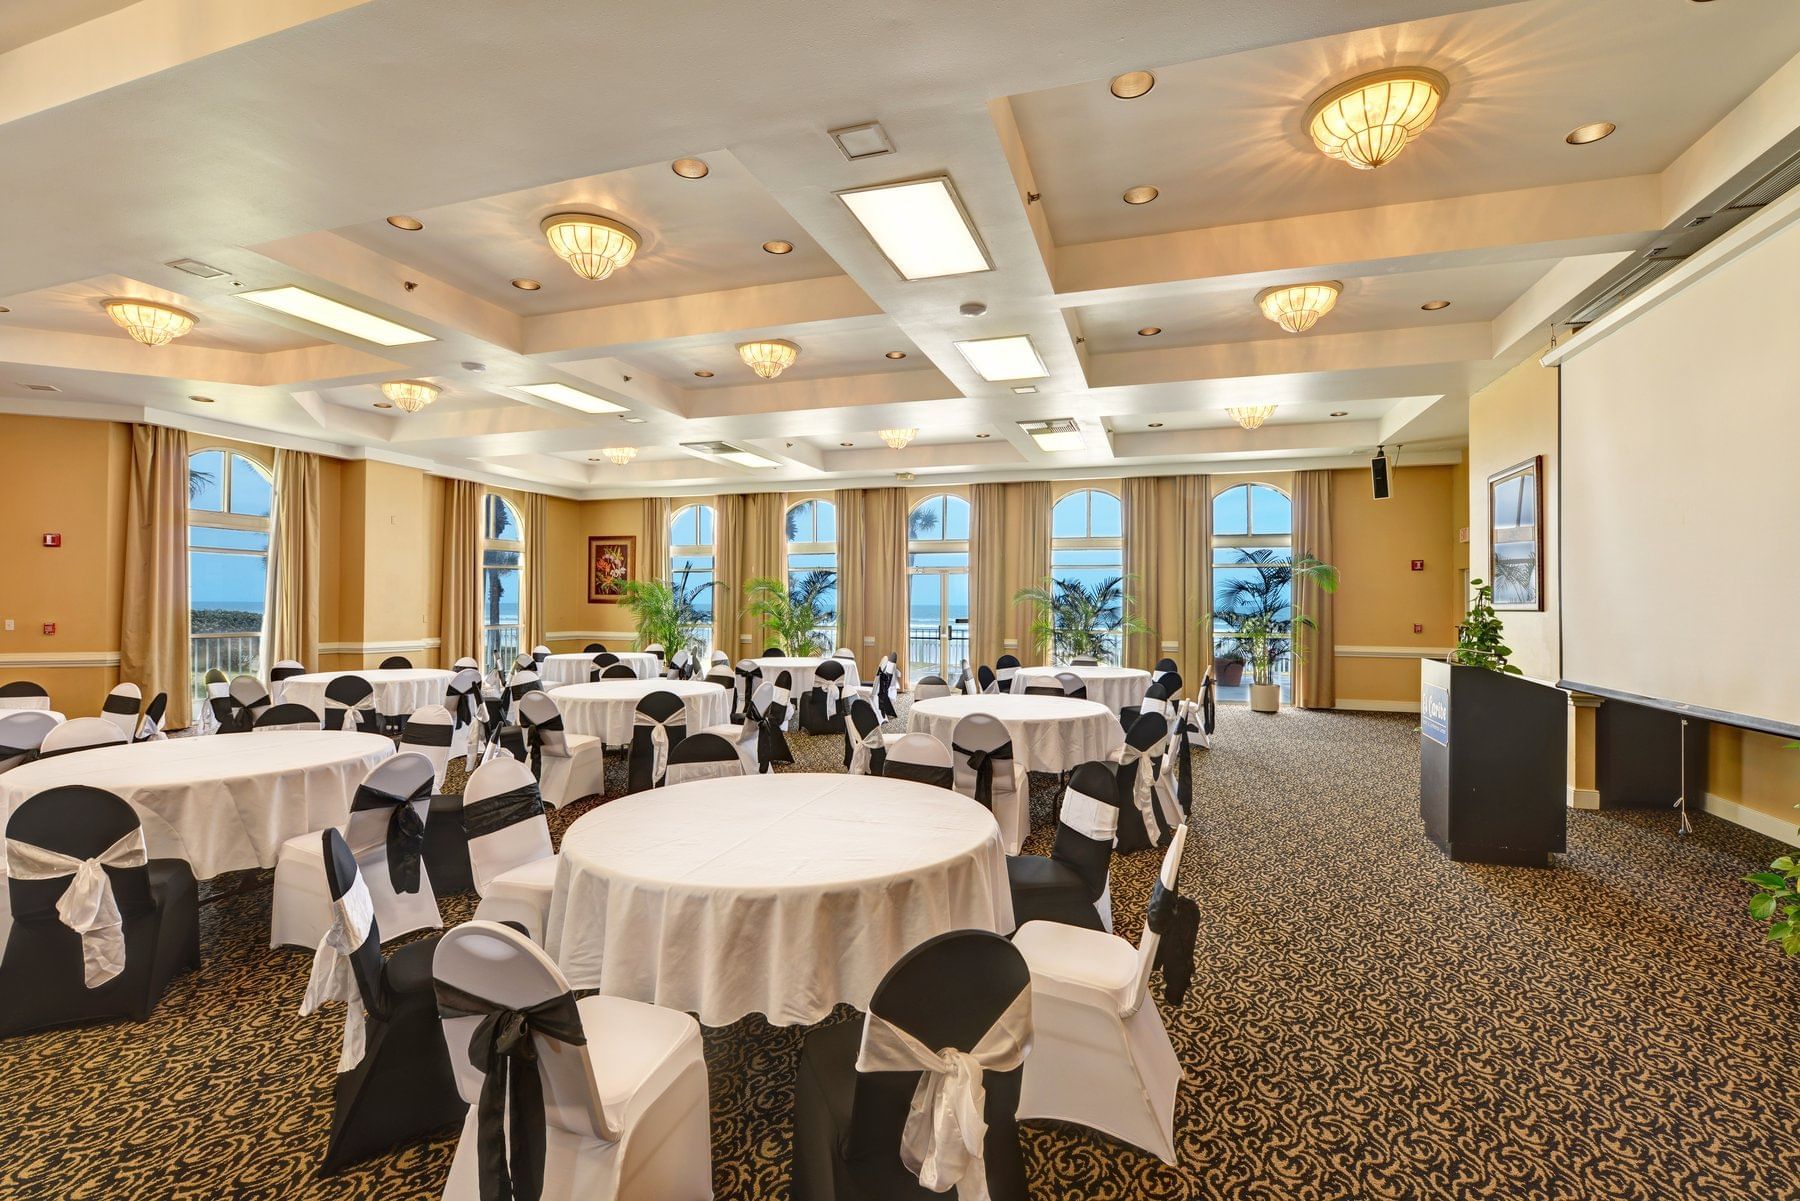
52,539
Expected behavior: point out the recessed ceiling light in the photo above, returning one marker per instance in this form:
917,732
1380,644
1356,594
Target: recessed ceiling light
526,285
1132,84
1340,413
704,374
920,226
1024,390
1055,434
384,404
690,168
998,359
896,354
984,435
628,419
1432,306
574,398
201,400
322,310
4,309
1150,331
410,224
1156,425
846,444
1593,131
1142,194
779,246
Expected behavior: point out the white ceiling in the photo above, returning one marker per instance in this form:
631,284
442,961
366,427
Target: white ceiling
276,146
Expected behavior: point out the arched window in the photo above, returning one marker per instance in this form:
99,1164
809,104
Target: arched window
1087,560
812,566
502,574
230,500
937,563
691,563
1253,538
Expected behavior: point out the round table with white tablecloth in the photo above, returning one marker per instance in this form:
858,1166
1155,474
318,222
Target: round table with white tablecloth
1049,733
606,709
1114,687
558,670
784,895
802,671
223,802
398,690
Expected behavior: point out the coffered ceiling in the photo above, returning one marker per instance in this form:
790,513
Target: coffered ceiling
275,148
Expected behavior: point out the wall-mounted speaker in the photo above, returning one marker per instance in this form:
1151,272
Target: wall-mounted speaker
1378,474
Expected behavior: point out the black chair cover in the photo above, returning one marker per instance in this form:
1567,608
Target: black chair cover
667,710
1134,834
395,663
1065,886
821,712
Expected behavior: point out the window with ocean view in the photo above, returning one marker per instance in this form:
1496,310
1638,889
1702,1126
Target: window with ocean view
229,508
502,561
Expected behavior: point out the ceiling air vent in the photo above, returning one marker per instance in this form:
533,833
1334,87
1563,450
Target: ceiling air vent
1640,277
729,453
1769,188
42,388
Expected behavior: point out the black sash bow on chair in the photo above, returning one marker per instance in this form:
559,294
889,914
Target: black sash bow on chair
982,764
503,1047
426,734
1175,919
492,814
405,837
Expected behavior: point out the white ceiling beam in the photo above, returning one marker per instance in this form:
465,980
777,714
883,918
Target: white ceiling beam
1293,354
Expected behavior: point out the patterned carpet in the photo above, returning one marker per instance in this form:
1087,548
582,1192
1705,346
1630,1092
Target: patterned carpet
1368,1020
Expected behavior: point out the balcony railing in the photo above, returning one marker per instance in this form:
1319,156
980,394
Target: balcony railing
234,653
500,644
929,652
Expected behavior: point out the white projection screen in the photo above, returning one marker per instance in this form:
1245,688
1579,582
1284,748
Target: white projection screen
1680,513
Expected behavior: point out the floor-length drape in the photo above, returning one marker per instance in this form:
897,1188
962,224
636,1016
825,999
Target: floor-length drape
1009,549
1315,667
872,574
1167,523
459,625
535,590
153,622
294,564
653,542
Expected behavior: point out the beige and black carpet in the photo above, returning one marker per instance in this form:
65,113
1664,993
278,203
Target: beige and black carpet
1369,1020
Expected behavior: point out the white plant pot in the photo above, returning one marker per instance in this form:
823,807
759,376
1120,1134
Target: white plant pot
1265,698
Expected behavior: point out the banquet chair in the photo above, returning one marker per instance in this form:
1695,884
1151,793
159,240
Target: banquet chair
22,732
1163,667
1156,700
772,652
1084,661
658,722
618,671
1100,1054
1148,810
965,683
927,688
1072,884
602,661
822,705
459,698
771,741
430,731
386,830
681,667
512,862
286,668
80,734
395,663
986,772
1072,685
150,728
884,692
567,766
539,654
726,679
217,715
289,717
122,706
920,758
248,700
394,1084
350,703
23,694
624,1111
467,661
656,648
985,679
703,756
865,745
1005,668
1209,710
1038,686
55,974
594,648
520,682
969,990
748,678
745,733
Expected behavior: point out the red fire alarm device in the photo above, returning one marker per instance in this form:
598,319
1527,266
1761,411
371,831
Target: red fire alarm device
52,539
1418,564
1417,628
49,627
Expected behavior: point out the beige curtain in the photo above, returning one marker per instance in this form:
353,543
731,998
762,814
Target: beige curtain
536,516
1168,551
1009,549
653,542
459,624
294,563
750,543
153,622
728,579
1315,669
872,574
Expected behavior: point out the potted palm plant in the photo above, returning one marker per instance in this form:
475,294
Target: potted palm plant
1256,606
667,613
793,617
1071,618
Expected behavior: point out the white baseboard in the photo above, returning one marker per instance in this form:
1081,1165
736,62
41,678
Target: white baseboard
60,659
1584,798
1780,828
1377,706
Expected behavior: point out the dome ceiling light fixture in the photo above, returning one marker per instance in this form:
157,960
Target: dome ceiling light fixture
410,395
768,358
897,438
1369,120
1298,307
1251,416
620,455
593,246
148,322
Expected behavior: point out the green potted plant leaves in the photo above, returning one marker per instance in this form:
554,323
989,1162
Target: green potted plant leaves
1256,607
666,612
1071,618
1478,638
791,616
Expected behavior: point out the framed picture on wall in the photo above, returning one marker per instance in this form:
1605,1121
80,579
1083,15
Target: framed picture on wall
1516,535
611,561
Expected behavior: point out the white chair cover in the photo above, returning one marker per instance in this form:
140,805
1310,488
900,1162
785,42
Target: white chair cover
332,978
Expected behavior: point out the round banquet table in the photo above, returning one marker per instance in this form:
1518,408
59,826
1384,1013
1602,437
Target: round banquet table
1049,733
1114,687
398,691
606,709
784,895
558,670
223,802
802,672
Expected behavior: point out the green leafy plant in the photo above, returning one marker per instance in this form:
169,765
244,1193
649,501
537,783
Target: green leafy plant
1257,609
1777,902
1478,638
667,612
791,616
1071,618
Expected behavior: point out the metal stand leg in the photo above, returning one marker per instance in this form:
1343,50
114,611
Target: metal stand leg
1686,826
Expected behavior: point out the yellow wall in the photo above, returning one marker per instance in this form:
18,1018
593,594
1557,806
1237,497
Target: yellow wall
386,544
566,607
1759,772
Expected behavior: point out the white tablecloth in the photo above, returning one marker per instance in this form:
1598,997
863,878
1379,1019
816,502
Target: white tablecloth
783,895
223,802
1049,733
606,709
398,691
558,670
1114,687
802,671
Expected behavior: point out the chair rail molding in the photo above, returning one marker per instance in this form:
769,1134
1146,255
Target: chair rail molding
60,659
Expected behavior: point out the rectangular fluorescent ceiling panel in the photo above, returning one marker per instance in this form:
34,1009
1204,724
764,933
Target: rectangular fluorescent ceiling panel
574,398
921,227
998,359
1057,433
728,452
322,310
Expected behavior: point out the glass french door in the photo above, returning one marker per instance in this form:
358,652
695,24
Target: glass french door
938,621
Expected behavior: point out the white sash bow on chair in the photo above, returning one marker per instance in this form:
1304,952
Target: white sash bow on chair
87,906
659,740
1089,817
860,748
1142,782
333,979
944,1140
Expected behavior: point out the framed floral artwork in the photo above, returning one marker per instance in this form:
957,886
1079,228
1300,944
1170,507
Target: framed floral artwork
611,561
